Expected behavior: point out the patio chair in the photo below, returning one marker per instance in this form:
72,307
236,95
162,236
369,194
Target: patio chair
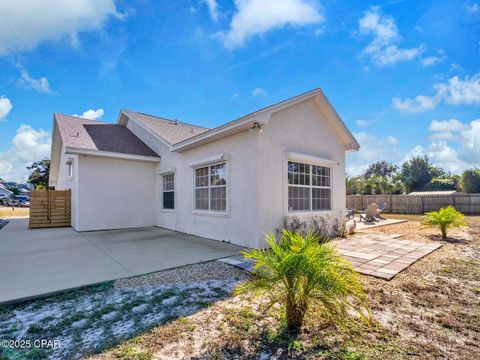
370,213
380,209
350,214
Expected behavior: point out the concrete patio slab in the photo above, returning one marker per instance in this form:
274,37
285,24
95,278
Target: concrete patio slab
43,261
362,225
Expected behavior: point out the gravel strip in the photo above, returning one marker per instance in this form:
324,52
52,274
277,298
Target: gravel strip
211,270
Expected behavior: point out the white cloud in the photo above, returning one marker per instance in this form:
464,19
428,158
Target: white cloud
371,149
444,135
28,145
212,8
454,92
40,85
473,8
259,92
5,107
457,91
256,17
383,50
362,123
91,114
470,143
419,103
433,60
452,125
26,23
466,151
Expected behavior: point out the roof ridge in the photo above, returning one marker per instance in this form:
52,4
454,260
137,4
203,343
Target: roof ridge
166,119
81,118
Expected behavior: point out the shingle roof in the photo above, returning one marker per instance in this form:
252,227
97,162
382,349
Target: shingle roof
172,131
88,134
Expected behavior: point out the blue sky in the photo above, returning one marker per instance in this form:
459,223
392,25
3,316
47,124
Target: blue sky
403,75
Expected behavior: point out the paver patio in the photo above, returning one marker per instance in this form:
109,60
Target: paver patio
377,254
382,255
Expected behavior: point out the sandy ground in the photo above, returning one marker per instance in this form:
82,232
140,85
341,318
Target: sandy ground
429,311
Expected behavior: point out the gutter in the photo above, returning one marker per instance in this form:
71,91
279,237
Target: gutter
110,154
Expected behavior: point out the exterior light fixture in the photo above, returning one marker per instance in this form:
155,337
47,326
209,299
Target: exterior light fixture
256,127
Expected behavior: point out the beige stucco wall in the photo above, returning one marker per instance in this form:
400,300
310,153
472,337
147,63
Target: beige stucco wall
300,129
240,225
115,193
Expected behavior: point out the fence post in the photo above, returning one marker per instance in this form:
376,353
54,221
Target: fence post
423,205
391,205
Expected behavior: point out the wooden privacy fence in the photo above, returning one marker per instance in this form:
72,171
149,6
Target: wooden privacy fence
416,204
50,208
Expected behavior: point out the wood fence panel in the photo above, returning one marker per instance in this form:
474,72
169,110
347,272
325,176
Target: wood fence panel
50,208
406,204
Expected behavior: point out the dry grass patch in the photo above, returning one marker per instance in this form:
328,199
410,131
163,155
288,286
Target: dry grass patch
7,212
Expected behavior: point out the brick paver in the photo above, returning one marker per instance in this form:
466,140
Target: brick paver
377,254
382,255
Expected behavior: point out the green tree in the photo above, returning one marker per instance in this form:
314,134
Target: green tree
381,169
14,190
470,181
444,219
299,271
40,172
417,172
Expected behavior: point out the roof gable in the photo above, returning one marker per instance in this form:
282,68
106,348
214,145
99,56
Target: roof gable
172,131
86,134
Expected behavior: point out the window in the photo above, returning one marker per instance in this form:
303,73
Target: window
168,189
211,188
70,167
309,187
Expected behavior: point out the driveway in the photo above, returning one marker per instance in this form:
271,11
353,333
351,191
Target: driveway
43,261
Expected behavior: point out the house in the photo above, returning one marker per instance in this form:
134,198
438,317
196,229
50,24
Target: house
230,183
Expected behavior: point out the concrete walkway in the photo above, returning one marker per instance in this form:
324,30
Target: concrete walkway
42,261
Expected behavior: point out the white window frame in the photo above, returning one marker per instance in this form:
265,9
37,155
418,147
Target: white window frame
225,213
310,186
70,169
174,191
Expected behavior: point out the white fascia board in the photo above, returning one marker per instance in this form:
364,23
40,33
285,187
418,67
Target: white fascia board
110,154
310,159
210,160
214,134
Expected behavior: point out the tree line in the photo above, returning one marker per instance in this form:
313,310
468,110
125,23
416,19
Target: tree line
416,174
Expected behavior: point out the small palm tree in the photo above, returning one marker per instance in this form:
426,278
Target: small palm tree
298,271
444,218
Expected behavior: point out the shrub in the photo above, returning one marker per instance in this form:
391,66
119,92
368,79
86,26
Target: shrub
298,271
445,218
470,181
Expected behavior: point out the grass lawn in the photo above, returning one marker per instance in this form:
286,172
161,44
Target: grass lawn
7,212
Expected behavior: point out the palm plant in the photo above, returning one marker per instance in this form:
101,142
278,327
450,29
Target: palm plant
445,218
298,271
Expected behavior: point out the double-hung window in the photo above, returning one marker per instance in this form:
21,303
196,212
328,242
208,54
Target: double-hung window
309,187
168,190
211,188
